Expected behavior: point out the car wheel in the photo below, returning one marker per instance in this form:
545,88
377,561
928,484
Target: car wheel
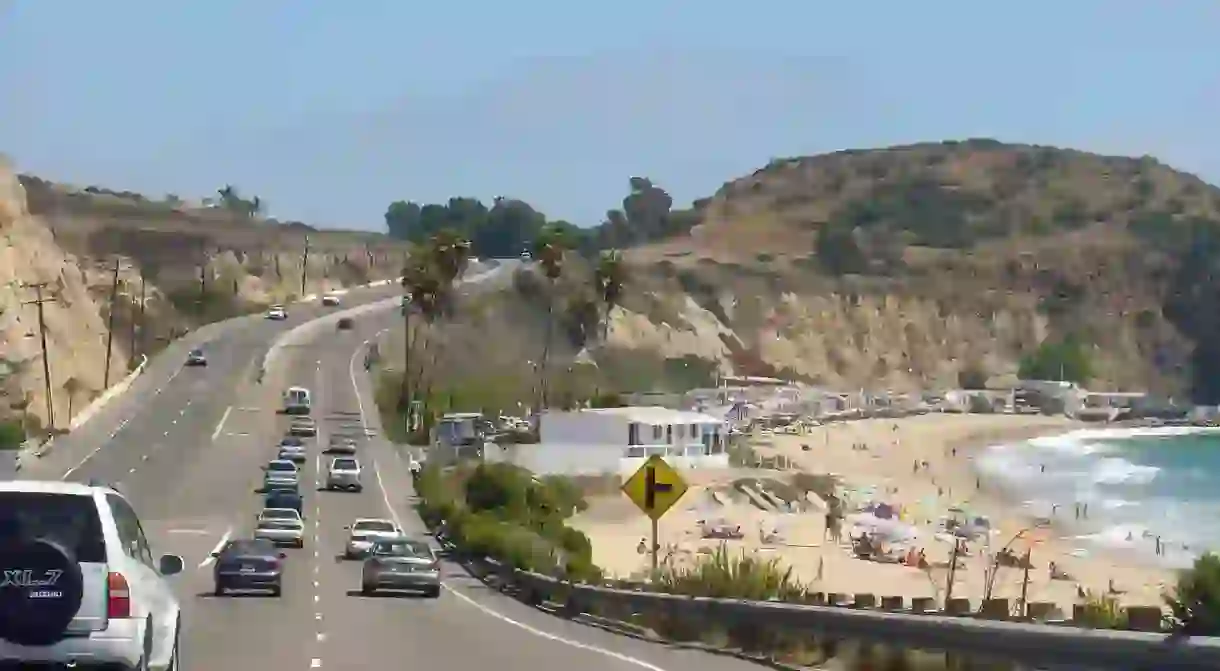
219,590
367,590
433,592
276,591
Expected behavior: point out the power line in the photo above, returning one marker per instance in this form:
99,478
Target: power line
39,300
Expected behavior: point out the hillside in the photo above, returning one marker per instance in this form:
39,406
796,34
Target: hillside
913,266
179,266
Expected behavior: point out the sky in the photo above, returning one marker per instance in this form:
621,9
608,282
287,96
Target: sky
331,110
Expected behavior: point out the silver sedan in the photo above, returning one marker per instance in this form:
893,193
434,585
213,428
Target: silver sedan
281,532
401,564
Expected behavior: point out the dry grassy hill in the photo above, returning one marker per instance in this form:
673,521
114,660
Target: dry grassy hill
911,266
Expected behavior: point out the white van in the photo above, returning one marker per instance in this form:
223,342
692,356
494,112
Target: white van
297,401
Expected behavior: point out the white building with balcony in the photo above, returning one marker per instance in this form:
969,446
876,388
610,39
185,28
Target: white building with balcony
619,440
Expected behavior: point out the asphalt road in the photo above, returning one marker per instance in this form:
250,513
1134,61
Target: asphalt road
188,456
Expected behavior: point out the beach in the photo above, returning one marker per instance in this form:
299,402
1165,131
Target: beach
923,466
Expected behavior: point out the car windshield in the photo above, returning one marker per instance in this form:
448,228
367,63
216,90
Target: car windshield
416,549
196,352
69,519
284,500
292,442
281,466
375,526
345,465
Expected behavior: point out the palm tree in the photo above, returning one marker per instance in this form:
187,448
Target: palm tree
228,195
549,248
72,386
609,277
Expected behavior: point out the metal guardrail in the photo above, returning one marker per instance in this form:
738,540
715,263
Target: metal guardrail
1023,643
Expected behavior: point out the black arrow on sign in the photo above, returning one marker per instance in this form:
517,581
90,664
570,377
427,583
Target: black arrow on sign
651,487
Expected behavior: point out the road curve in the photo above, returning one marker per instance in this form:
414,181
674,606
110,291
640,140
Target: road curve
187,452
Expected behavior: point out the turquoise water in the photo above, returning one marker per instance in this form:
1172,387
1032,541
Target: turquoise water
1138,484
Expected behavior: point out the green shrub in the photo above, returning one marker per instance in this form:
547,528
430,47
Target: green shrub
12,434
1102,611
1195,602
722,575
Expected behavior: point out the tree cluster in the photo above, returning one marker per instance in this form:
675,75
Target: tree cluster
511,226
231,200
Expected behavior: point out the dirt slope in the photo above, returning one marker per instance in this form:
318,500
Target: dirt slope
178,268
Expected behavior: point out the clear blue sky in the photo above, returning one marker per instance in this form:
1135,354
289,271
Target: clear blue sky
330,110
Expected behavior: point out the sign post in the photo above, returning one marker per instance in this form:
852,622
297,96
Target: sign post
654,489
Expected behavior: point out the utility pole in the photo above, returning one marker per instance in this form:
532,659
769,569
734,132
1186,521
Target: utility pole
203,276
304,265
42,339
114,295
137,344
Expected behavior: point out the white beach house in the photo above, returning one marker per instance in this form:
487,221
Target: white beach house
610,440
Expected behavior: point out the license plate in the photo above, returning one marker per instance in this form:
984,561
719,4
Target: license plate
247,569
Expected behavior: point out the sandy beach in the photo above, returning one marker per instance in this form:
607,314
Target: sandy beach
876,460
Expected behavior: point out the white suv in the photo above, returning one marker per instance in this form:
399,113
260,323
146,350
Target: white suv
78,582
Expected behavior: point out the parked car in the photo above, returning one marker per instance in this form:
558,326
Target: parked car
196,357
277,313
345,324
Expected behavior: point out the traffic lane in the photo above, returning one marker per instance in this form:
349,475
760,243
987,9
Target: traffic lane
255,632
147,413
172,427
377,631
359,632
248,337
547,631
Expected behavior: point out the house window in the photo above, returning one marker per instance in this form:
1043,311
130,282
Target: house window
633,434
694,430
657,433
669,433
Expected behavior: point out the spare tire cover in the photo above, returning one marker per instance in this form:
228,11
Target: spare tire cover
41,588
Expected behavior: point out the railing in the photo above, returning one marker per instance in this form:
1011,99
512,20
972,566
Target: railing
860,619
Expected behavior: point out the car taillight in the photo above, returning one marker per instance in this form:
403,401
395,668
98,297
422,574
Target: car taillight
118,601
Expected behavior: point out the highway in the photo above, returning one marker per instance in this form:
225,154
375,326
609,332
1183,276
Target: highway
187,448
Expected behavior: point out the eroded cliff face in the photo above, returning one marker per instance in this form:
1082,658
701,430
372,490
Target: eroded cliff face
774,319
71,242
75,332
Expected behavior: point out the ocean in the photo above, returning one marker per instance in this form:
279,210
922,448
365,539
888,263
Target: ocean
1138,484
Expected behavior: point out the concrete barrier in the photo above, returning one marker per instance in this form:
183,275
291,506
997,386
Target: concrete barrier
100,402
1059,645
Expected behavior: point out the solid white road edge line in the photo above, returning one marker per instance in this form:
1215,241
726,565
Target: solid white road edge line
385,497
221,424
219,546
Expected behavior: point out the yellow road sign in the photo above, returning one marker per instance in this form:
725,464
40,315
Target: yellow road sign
655,488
